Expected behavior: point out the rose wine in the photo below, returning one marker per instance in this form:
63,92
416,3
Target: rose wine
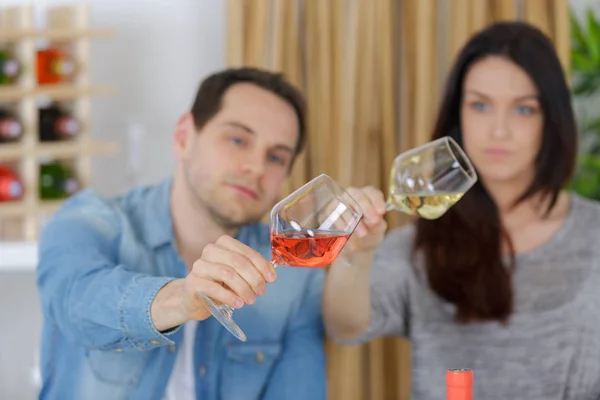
426,205
307,248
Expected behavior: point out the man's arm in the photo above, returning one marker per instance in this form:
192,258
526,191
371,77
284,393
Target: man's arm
300,373
93,300
99,303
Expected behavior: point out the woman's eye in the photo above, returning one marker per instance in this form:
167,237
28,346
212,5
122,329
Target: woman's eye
479,105
525,110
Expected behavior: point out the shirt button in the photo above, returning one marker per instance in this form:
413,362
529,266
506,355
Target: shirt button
172,348
202,370
156,342
118,349
260,356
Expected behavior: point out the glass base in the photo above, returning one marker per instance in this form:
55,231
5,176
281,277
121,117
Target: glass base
224,314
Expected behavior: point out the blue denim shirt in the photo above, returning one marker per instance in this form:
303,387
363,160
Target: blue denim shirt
102,261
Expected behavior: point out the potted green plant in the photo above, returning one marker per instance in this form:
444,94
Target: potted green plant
585,75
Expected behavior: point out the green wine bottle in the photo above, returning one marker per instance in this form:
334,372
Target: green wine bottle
9,68
56,181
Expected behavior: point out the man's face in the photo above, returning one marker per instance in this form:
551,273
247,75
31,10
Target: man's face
235,167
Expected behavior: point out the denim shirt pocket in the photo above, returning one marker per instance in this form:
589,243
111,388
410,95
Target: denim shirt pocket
117,368
247,368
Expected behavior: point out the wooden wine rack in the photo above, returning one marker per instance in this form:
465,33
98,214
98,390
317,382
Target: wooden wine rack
20,220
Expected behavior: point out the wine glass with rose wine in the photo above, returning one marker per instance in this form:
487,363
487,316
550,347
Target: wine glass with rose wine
429,179
309,229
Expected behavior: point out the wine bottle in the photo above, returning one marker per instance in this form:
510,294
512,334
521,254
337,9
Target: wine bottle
11,186
10,68
54,66
56,124
11,128
459,384
56,181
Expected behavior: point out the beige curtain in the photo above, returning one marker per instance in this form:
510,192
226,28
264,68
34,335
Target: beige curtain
372,71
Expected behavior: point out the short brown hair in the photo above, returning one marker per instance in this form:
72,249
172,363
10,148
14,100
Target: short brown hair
209,97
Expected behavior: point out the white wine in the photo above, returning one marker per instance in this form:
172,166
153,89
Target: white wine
426,205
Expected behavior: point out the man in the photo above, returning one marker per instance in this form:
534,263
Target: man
118,277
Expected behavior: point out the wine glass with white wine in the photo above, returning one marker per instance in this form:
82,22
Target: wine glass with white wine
429,179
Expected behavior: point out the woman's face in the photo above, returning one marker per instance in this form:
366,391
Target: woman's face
502,121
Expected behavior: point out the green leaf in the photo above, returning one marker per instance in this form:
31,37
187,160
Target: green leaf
590,162
577,36
587,178
593,126
585,72
583,62
593,35
586,85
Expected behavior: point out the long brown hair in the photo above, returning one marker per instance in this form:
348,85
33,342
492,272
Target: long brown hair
462,249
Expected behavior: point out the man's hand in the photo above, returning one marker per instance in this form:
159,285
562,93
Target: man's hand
228,272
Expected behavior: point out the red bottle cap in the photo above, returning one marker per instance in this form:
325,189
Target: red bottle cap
11,187
459,384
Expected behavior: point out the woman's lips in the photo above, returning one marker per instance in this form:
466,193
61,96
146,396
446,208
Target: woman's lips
497,153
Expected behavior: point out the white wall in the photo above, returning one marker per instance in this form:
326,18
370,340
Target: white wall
161,51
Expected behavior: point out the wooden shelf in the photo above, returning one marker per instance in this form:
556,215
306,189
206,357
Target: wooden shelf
13,209
14,151
58,91
49,206
19,208
66,26
12,92
70,149
68,91
55,34
11,151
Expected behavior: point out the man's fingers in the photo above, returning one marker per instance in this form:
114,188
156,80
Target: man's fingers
218,293
225,274
254,257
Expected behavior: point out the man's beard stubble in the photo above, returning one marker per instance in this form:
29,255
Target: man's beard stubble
219,217
225,221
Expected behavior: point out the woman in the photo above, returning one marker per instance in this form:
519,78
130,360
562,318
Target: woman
507,282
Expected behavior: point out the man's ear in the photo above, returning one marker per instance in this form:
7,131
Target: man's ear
183,134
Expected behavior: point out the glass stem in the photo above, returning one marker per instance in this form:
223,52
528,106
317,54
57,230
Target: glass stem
389,206
228,310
